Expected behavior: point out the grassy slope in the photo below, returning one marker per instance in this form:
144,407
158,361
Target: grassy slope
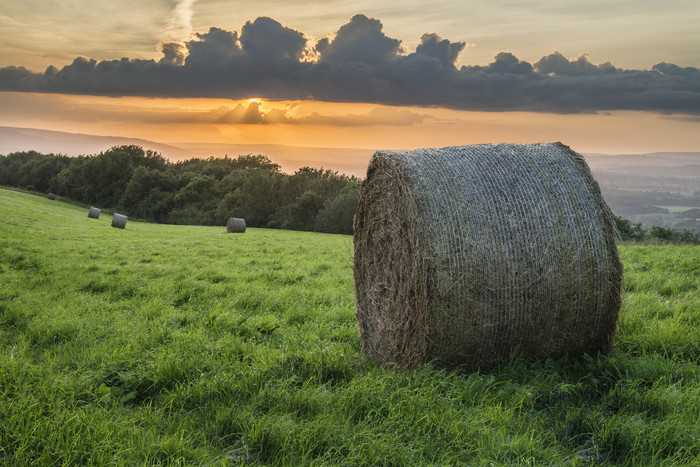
166,344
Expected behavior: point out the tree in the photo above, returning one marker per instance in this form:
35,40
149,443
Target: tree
44,170
337,213
687,236
71,183
299,215
256,161
149,194
324,182
629,231
195,203
258,194
662,233
31,168
145,185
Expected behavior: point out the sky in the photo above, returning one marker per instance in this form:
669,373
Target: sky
614,76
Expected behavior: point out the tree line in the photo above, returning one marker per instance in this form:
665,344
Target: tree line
630,231
144,185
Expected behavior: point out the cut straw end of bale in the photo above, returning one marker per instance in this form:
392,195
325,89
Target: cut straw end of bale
94,213
467,255
235,225
119,221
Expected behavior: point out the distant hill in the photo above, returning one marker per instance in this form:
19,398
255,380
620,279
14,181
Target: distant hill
660,188
652,164
14,139
350,161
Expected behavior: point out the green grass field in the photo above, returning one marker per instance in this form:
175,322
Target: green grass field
175,345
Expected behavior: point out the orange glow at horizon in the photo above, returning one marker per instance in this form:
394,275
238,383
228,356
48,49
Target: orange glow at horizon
340,125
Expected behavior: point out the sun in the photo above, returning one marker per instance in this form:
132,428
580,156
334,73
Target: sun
255,100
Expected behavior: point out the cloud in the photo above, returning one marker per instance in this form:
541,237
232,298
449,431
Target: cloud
557,64
265,41
239,114
173,53
179,25
360,63
683,118
377,116
66,108
214,50
361,41
432,45
254,113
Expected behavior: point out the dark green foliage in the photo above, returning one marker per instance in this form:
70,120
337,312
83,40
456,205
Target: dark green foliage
635,232
673,235
337,213
143,185
196,201
322,202
258,194
628,230
300,214
102,180
150,193
661,233
322,182
25,169
221,167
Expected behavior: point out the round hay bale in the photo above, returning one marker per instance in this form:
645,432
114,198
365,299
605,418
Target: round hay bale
94,213
467,255
119,221
235,225
51,196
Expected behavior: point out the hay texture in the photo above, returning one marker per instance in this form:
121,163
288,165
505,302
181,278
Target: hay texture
467,255
51,196
119,221
235,225
94,213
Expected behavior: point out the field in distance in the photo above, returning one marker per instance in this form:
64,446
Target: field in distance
163,344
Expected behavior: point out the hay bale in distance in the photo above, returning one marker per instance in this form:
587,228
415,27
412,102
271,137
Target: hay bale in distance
51,196
466,255
235,225
94,213
119,221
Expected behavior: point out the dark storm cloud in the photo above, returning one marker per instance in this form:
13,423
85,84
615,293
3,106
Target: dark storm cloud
556,63
361,41
432,45
173,53
215,49
268,42
362,64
